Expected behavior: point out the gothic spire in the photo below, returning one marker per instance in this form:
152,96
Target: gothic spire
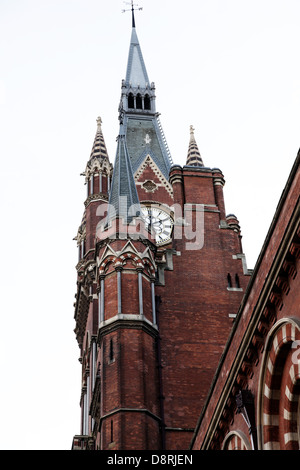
193,156
136,74
123,196
99,148
137,112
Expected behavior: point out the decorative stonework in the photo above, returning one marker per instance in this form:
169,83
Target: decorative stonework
149,186
148,162
81,234
143,261
96,166
273,403
96,197
236,440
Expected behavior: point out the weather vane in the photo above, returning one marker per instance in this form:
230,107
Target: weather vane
132,9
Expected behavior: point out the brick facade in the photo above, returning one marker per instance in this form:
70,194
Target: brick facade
155,382
181,346
261,357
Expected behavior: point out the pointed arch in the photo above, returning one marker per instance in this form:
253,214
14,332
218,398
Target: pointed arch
147,102
139,101
130,101
236,440
279,388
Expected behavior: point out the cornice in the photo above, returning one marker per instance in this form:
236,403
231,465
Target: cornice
122,321
95,198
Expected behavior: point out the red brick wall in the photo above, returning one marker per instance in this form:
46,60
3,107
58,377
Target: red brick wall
276,250
130,382
194,325
194,321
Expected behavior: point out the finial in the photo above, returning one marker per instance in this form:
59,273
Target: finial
192,130
99,122
132,10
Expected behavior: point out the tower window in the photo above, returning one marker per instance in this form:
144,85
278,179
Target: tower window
82,249
111,431
229,283
237,281
139,103
130,101
147,102
92,184
111,350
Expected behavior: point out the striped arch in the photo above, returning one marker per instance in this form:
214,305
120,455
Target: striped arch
136,260
143,264
291,408
279,388
105,262
236,440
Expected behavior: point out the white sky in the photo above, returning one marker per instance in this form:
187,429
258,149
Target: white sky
229,67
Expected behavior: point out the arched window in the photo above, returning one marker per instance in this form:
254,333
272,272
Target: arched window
139,102
130,101
229,283
147,104
237,281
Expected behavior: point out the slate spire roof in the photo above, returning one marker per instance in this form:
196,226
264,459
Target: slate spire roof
136,74
193,156
123,196
137,111
140,134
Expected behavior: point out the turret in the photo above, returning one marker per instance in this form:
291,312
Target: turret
127,328
98,170
98,175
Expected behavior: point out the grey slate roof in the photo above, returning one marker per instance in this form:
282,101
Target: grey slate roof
143,138
140,134
123,195
136,74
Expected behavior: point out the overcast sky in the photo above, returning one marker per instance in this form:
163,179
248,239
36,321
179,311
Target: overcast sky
229,67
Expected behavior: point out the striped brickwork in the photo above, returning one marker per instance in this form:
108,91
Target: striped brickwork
236,441
280,387
193,156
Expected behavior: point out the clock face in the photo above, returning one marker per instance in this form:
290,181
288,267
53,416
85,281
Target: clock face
159,221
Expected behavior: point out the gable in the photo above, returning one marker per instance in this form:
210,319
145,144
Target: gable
150,180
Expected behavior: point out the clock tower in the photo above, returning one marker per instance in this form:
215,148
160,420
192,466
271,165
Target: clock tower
159,283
